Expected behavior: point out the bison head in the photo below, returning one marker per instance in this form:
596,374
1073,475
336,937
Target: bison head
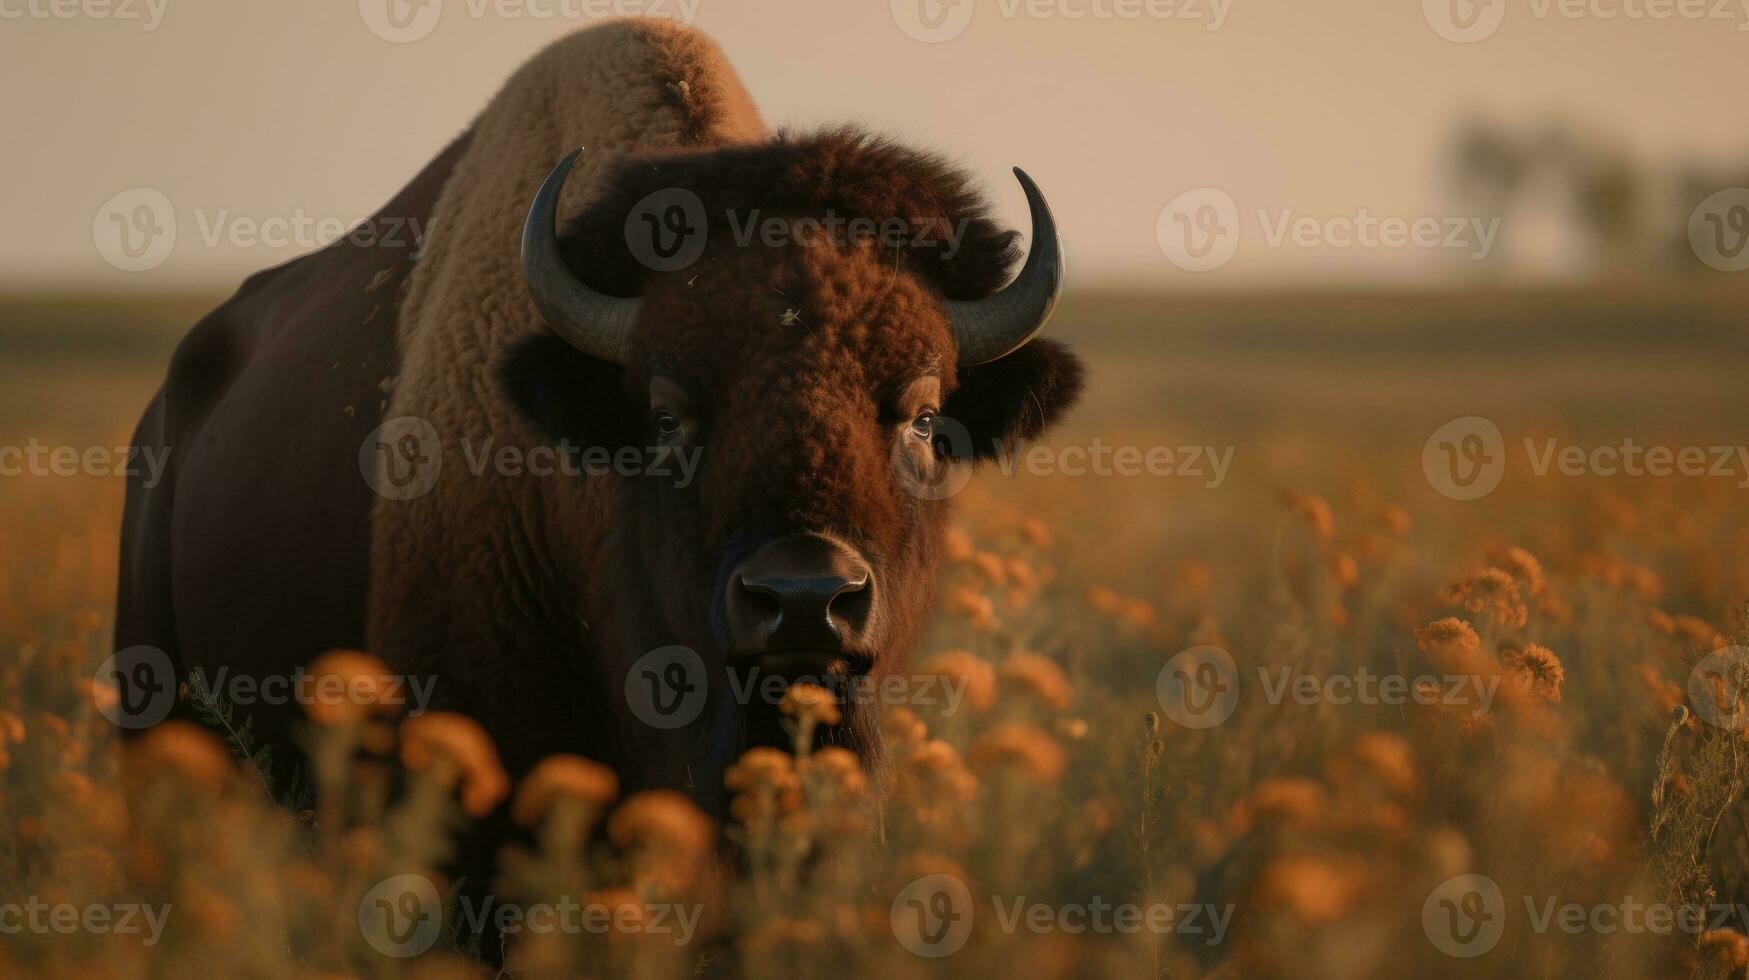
830,343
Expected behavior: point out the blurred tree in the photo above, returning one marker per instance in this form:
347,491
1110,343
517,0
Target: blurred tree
1623,211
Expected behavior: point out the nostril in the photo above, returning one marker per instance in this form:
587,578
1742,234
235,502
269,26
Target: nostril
760,601
852,605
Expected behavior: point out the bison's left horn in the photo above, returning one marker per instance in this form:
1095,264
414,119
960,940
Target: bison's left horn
999,325
598,325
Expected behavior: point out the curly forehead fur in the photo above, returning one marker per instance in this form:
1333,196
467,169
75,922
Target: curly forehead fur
950,240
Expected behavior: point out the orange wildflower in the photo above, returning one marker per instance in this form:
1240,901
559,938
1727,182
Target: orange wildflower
563,777
1022,748
1315,511
1490,591
1449,632
1539,669
1037,677
968,668
456,748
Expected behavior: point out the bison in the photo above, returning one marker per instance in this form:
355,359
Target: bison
338,428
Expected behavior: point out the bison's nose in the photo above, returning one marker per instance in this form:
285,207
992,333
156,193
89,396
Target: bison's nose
802,594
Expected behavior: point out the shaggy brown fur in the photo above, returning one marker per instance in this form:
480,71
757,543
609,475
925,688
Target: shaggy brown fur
530,598
842,172
462,578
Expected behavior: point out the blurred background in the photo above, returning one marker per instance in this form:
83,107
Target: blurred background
1590,137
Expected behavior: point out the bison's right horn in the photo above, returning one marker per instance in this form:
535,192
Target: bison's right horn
600,326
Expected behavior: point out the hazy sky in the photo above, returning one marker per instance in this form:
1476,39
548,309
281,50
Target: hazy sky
239,112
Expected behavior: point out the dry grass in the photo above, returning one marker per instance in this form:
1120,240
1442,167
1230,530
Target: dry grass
1581,603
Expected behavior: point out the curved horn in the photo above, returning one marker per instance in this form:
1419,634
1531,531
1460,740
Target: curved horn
597,325
999,325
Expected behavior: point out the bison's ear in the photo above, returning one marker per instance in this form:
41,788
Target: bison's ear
1017,398
565,394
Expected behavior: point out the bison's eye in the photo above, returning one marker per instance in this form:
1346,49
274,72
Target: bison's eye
924,425
666,423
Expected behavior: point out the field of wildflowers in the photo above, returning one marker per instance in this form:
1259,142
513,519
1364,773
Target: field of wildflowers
1316,716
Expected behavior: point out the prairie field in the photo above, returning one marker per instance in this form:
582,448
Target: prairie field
1243,689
